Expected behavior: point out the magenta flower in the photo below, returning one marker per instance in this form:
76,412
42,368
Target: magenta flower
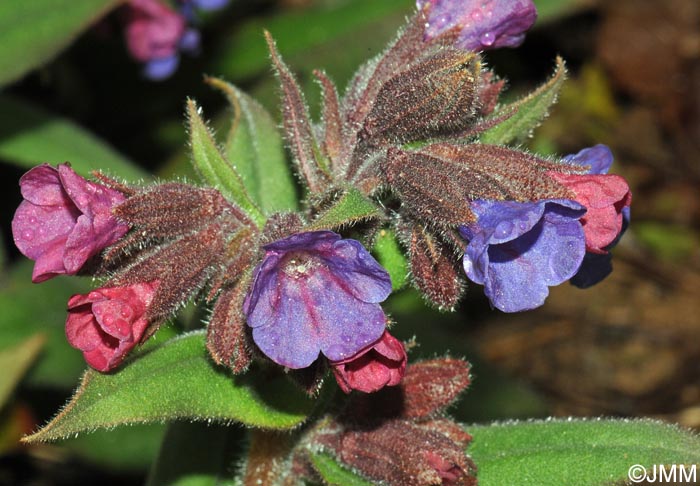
605,197
316,293
596,266
370,370
153,30
64,220
518,250
108,322
483,24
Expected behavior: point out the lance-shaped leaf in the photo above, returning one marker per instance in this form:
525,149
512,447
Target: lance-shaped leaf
312,165
431,98
433,269
30,136
437,182
15,361
255,146
177,381
350,208
390,256
580,452
214,168
54,25
527,113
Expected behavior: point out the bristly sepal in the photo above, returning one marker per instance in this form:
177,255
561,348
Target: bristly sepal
312,165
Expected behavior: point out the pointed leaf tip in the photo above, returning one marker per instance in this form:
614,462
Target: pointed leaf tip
526,114
213,166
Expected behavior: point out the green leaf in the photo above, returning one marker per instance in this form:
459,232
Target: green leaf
255,146
249,54
349,209
552,10
214,168
33,31
576,452
14,362
391,257
527,113
177,381
30,136
334,474
29,309
196,454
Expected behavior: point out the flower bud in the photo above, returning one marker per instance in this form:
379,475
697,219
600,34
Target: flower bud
108,322
434,97
382,364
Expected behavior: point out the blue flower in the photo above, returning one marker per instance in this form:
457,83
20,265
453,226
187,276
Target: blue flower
316,293
517,250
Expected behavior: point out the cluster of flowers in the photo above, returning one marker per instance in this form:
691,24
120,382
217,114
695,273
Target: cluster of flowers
308,298
156,33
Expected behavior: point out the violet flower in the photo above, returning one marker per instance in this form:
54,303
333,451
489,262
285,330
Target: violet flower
597,266
370,370
483,24
156,34
518,250
316,293
64,220
108,322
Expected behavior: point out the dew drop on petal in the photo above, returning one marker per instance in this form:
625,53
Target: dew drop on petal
487,39
27,234
503,229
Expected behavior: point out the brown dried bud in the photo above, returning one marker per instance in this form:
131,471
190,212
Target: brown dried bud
182,267
433,269
436,183
228,341
172,209
402,453
434,97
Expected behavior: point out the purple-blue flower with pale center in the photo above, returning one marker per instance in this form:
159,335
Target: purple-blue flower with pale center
517,250
316,293
483,24
596,267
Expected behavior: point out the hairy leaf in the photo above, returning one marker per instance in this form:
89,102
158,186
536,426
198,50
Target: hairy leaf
580,452
527,113
255,147
30,136
33,31
177,381
215,168
349,209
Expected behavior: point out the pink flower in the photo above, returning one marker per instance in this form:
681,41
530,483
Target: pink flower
153,30
382,364
64,220
108,322
605,196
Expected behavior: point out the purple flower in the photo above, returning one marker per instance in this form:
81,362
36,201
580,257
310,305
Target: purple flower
483,24
315,292
517,250
64,220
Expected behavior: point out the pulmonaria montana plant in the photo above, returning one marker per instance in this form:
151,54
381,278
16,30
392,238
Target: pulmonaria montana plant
416,152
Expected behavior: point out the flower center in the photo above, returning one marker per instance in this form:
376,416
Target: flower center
300,264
